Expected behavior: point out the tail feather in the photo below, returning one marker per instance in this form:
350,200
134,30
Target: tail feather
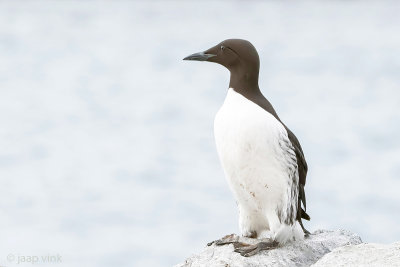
304,215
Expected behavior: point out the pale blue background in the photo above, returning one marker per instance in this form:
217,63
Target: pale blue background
107,154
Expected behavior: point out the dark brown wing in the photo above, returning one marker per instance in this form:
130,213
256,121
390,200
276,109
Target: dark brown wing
301,165
302,169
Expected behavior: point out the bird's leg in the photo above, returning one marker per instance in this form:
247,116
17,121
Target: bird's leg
250,250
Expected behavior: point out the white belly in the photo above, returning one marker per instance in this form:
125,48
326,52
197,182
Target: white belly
249,144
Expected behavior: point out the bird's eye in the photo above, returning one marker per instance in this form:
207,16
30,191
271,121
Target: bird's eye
222,48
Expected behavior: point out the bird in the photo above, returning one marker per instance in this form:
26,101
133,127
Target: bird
262,159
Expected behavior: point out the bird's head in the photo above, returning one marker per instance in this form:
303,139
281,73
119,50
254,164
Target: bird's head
239,56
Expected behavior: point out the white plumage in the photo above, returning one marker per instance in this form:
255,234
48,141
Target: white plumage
260,165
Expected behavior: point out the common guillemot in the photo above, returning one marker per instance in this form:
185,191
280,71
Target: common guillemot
262,159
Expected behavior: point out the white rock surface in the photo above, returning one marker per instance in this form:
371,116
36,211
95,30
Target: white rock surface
299,253
363,255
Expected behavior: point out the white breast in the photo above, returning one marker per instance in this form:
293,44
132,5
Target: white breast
257,161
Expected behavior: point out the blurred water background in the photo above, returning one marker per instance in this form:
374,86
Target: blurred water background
107,155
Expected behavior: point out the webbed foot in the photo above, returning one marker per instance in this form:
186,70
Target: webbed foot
250,250
228,239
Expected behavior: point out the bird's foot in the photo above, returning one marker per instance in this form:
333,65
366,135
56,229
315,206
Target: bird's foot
247,250
228,239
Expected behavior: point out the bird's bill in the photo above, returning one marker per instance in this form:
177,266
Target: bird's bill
199,56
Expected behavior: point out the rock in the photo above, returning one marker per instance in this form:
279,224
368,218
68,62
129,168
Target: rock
299,253
363,255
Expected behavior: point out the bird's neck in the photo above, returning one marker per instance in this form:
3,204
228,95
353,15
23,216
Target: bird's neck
244,83
247,85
